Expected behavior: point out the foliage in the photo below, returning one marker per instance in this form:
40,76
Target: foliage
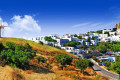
94,58
83,64
75,35
99,31
41,59
102,48
72,43
88,40
1,47
63,59
11,45
40,42
19,57
114,29
92,47
107,33
47,38
93,38
79,37
107,63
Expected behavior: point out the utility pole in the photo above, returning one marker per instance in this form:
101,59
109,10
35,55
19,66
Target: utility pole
1,27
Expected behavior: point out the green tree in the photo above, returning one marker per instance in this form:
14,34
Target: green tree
102,48
99,31
47,38
79,37
63,59
75,35
82,64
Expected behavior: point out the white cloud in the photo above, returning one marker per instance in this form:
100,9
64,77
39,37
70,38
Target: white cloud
21,27
80,25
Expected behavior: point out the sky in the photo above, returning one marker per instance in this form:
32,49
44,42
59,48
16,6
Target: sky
32,18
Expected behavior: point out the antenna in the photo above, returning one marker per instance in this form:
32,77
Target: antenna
1,27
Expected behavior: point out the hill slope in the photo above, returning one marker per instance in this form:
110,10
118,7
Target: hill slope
50,70
43,49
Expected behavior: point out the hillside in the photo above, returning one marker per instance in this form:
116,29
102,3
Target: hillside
49,70
43,49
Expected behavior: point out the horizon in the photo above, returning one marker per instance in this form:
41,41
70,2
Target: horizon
40,18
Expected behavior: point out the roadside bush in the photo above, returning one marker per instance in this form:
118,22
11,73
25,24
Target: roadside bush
83,64
107,63
11,45
63,59
41,59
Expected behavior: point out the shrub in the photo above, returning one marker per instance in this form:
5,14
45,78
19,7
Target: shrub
41,59
63,59
11,45
40,42
19,57
1,47
83,64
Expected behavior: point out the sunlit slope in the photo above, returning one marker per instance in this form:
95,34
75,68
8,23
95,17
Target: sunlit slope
44,49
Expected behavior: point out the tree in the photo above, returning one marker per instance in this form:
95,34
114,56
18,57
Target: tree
47,38
79,37
99,31
75,35
63,59
83,64
107,33
102,48
93,38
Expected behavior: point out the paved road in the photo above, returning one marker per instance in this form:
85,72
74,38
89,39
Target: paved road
105,72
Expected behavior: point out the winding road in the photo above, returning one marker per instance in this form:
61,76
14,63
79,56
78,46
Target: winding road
105,72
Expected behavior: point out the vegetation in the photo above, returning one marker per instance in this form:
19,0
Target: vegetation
72,43
40,42
18,56
79,37
115,66
102,48
99,31
11,45
75,35
107,33
83,64
63,59
1,47
41,59
47,38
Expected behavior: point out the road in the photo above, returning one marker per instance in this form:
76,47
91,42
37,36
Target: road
105,72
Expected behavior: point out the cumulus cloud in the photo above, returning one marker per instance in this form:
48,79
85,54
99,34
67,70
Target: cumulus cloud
22,27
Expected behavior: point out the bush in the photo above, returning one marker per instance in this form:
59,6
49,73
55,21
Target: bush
11,45
1,47
19,57
41,59
40,42
83,64
63,59
107,63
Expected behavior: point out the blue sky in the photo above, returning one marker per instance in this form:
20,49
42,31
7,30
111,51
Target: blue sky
57,16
